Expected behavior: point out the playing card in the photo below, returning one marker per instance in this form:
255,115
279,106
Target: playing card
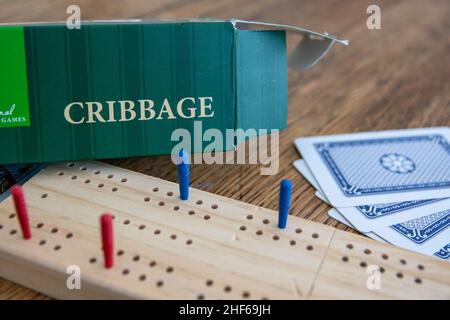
443,252
333,213
371,217
380,167
301,166
428,235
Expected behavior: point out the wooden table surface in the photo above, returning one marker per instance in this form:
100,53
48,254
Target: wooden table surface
393,78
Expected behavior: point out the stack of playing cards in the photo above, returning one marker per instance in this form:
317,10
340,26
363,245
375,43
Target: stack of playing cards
393,186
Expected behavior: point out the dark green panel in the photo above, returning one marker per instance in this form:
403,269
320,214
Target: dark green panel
106,81
261,79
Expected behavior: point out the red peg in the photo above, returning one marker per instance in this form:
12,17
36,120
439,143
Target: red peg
21,210
106,222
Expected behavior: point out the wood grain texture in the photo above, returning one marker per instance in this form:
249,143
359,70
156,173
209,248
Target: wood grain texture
392,78
207,247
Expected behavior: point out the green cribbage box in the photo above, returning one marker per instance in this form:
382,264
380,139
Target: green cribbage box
119,89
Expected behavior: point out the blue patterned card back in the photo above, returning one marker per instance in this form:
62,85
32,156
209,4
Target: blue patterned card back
380,166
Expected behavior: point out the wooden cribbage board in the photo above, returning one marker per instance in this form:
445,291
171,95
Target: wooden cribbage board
208,247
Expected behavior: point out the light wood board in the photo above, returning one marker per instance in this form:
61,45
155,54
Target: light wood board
208,247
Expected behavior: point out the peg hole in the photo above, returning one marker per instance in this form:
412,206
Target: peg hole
157,231
92,260
402,261
310,248
214,206
100,185
243,228
169,269
367,251
191,212
123,180
259,233
292,242
199,202
384,256
146,199
207,217
126,222
382,270
161,203
12,215
54,230
349,246
142,227
420,267
176,208
173,237
70,164
189,242
227,289
363,264
60,173
345,258
200,297
57,247
169,194
1,227
44,195
315,236
399,275
418,280
142,277
276,237
152,263
120,253
136,258
39,225
69,235
110,176
97,172
266,221
13,232
125,272
298,230
73,177
83,168
114,189
245,294
249,217
42,242
160,283
209,282
155,189
87,181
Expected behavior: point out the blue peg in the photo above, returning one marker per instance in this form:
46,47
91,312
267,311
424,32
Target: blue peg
285,199
183,174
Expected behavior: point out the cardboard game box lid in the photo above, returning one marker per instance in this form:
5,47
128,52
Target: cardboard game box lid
122,88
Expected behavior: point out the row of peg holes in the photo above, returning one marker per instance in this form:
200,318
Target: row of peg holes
226,289
39,226
147,199
97,172
277,237
177,208
384,256
157,232
137,258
